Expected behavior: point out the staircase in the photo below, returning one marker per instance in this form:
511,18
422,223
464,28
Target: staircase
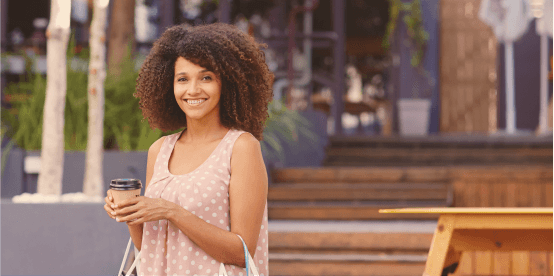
325,221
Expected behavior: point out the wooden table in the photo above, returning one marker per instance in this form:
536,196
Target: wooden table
483,229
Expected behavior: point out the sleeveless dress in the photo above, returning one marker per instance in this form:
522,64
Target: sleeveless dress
204,193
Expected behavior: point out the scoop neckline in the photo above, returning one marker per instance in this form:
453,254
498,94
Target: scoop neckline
201,165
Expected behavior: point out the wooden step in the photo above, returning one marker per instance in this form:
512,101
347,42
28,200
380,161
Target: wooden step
438,151
412,174
442,141
364,175
280,242
341,211
349,248
313,264
358,191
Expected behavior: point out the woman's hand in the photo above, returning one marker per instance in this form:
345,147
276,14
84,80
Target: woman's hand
109,203
141,209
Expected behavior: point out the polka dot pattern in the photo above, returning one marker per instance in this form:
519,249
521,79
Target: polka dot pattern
204,192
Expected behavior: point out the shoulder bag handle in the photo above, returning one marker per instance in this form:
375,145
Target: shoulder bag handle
250,265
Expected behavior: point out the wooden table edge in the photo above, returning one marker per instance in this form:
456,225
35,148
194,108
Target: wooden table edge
469,210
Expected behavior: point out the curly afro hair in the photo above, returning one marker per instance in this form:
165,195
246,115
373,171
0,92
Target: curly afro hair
236,59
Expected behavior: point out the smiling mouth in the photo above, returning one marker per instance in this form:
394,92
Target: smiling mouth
195,102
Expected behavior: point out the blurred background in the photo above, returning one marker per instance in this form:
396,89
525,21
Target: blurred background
377,104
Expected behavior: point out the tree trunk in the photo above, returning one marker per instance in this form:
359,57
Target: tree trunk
122,33
93,182
51,171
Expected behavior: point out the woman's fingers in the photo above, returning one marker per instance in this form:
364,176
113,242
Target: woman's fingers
109,211
127,210
109,195
130,217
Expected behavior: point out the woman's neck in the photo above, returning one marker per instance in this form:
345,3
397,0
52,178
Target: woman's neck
203,130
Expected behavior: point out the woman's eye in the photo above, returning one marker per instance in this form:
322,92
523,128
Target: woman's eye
182,79
207,78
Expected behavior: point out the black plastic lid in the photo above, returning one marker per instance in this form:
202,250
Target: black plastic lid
125,184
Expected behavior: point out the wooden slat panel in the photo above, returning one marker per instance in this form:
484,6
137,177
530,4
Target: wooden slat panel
538,263
520,262
550,261
502,264
465,267
548,192
483,263
459,193
484,195
499,195
511,189
534,194
341,268
522,196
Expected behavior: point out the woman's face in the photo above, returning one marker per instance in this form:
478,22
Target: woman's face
197,90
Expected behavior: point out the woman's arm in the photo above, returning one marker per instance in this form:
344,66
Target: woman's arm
136,230
247,199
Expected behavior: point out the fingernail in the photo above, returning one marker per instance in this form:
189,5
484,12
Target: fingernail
117,219
113,213
110,198
115,206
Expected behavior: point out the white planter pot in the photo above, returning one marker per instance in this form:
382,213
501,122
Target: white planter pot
414,116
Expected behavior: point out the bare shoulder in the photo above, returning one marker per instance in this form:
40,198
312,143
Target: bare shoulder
156,147
246,143
153,152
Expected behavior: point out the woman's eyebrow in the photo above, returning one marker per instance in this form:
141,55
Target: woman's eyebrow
202,71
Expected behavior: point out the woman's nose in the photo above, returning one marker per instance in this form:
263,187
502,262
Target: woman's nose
194,87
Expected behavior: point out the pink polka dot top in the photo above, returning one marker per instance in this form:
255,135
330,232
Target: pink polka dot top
204,193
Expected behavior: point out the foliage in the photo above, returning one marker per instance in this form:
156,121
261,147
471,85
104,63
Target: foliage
284,126
124,125
25,117
412,17
125,128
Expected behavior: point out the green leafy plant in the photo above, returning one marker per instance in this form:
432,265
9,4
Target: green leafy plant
125,129
284,126
124,124
412,17
27,98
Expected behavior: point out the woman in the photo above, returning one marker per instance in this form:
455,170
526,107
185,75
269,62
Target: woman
207,183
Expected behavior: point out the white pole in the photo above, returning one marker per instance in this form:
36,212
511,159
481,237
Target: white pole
510,84
543,117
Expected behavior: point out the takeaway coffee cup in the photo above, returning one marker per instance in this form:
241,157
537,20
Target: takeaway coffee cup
124,188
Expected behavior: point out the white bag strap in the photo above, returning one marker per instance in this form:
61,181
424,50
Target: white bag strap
137,257
250,264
